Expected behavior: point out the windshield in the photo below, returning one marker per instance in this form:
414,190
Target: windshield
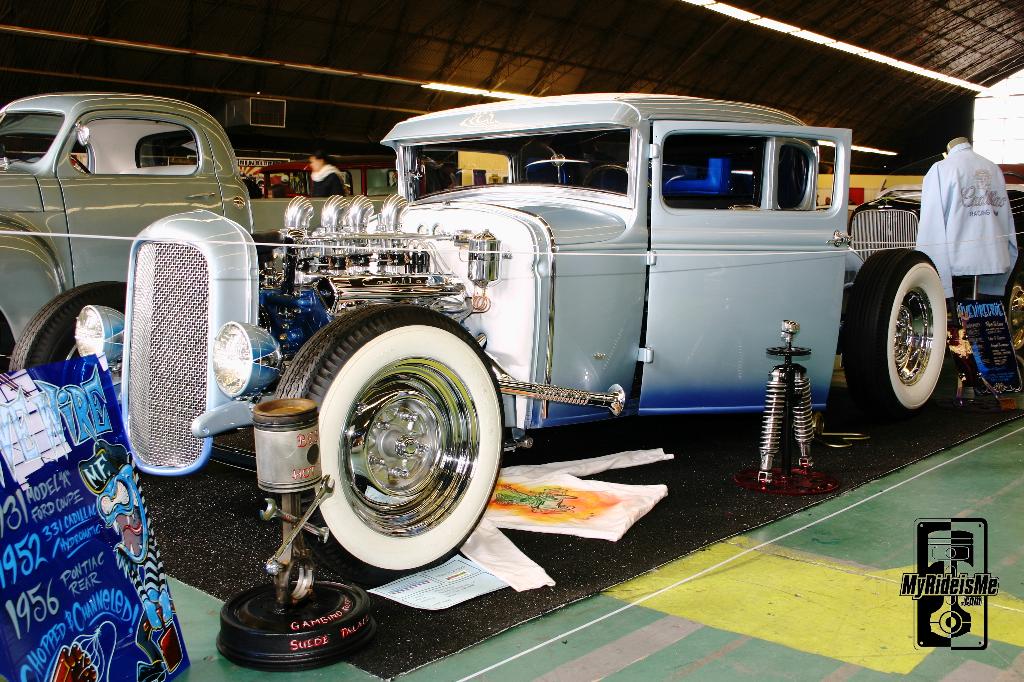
595,159
908,178
28,136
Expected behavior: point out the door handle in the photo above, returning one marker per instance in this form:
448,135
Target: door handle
201,195
840,240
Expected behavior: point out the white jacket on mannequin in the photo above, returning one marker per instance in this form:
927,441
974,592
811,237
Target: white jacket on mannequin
966,225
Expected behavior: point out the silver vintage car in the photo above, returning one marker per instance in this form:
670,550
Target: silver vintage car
550,261
80,175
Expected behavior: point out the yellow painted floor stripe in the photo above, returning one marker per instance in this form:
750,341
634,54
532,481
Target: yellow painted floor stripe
807,602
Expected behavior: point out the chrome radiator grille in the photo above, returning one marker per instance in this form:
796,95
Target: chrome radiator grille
167,355
877,229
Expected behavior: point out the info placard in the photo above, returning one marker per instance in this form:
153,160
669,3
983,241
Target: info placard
83,595
986,327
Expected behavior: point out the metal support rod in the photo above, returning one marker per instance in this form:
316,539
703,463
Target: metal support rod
614,399
278,562
272,511
282,591
787,422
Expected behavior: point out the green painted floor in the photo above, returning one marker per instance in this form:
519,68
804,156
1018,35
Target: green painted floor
814,596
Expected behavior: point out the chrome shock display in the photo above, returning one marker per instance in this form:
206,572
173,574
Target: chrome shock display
788,419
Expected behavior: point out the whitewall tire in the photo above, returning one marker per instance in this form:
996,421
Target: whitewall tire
894,333
410,432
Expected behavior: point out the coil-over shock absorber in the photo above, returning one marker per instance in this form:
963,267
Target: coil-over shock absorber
803,417
788,418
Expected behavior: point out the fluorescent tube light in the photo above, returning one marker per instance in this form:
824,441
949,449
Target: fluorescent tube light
730,11
461,89
480,92
826,41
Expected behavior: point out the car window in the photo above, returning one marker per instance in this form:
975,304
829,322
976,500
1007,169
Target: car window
122,146
352,178
381,181
794,176
594,159
712,171
27,137
169,148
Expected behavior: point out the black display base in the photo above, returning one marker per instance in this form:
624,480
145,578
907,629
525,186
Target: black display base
322,629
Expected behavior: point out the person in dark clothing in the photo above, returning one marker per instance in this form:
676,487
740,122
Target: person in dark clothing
327,179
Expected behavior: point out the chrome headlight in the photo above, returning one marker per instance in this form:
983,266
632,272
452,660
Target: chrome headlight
99,329
246,359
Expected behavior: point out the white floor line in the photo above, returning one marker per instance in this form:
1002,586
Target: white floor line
709,569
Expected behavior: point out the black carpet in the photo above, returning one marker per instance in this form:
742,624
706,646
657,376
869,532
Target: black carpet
211,537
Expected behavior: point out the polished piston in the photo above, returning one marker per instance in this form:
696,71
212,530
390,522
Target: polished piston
287,445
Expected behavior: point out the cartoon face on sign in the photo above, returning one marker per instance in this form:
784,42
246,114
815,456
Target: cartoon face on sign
119,508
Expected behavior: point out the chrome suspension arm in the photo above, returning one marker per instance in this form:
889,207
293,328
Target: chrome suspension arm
614,399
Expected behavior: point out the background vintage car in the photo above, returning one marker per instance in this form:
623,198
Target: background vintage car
372,176
890,222
562,260
98,168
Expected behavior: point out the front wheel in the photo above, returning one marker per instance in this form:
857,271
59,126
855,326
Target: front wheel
894,333
50,335
410,431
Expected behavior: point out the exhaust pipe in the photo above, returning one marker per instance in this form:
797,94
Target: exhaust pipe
614,399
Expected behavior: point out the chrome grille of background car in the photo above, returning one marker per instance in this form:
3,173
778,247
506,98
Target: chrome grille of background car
886,228
167,353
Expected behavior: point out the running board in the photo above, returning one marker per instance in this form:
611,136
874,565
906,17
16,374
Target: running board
614,399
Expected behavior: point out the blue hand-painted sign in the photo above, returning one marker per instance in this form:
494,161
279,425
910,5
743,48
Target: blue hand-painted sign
83,595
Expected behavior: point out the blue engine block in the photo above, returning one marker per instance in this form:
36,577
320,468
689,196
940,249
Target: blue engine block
292,319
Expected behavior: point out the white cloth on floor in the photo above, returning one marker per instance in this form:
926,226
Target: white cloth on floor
489,547
589,467
549,498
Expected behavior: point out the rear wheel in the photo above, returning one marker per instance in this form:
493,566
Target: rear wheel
1014,303
893,334
50,335
410,431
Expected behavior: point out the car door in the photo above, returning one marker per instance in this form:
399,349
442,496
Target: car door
120,172
738,248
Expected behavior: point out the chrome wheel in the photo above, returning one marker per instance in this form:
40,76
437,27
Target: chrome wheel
409,451
914,336
1015,311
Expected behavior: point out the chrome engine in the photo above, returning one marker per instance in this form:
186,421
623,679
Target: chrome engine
357,258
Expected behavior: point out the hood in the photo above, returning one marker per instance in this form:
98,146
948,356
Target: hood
19,192
570,223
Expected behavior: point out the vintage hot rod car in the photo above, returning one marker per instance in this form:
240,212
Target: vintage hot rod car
890,222
549,262
80,175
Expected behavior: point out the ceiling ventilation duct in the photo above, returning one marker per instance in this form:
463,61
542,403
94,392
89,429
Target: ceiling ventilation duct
255,111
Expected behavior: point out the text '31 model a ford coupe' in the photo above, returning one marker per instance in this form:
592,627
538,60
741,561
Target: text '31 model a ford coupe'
550,261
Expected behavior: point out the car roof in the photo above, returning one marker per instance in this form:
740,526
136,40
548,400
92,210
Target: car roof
73,104
625,109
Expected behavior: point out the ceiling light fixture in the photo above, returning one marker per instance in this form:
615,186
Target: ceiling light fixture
479,92
817,38
860,148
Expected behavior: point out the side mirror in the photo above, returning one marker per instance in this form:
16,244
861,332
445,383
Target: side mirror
82,134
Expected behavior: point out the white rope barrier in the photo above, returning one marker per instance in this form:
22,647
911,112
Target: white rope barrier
555,252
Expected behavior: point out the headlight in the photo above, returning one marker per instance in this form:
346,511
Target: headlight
99,329
246,359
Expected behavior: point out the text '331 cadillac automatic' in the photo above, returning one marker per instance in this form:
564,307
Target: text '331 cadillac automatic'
550,261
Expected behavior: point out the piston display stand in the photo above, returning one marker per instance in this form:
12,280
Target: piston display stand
788,419
296,622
